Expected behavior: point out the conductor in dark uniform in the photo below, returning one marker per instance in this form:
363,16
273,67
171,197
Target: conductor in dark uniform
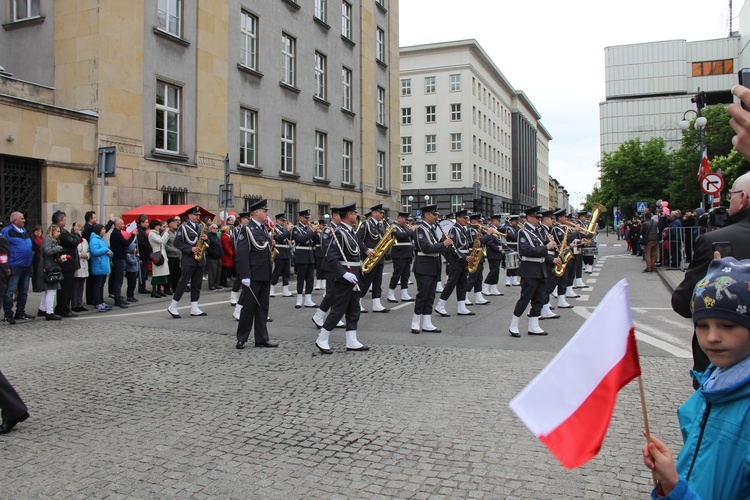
187,241
401,255
343,260
533,252
428,248
253,263
304,258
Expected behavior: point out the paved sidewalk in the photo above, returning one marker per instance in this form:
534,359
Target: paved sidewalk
123,411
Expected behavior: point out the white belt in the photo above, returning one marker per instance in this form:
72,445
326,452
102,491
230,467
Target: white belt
422,254
350,264
465,251
532,259
407,244
282,246
304,248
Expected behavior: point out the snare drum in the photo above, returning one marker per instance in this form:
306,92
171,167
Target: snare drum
512,260
589,251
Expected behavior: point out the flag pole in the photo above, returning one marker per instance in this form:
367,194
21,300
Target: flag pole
645,420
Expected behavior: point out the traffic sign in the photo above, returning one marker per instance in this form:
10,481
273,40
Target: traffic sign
712,183
641,206
418,213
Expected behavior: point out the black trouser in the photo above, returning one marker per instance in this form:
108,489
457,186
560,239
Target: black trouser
305,276
143,274
280,269
255,301
579,266
327,301
345,304
174,272
115,279
11,404
532,290
553,281
493,277
374,278
426,285
194,276
65,293
456,279
318,268
474,281
400,273
90,300
588,260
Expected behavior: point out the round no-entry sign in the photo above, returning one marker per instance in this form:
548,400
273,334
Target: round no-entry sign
712,183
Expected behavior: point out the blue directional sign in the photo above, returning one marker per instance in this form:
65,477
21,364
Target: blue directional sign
418,213
641,206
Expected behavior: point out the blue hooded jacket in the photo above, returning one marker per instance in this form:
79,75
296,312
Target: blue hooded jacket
21,253
99,261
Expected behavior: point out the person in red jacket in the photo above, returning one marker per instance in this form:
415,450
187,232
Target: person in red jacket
227,258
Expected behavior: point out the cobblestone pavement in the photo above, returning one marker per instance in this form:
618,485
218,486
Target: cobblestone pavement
121,410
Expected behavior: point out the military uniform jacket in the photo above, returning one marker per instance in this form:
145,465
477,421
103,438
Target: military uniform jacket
305,239
511,235
344,255
253,257
493,246
462,242
326,240
428,249
282,236
186,238
370,233
533,253
403,249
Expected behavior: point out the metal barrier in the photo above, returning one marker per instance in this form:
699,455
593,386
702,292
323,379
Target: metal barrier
676,249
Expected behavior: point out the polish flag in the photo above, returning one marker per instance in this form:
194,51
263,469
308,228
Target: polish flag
569,404
705,167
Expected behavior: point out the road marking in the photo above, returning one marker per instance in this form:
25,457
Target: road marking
401,306
583,298
591,280
110,315
593,275
644,309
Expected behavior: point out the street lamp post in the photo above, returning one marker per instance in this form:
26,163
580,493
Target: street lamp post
699,100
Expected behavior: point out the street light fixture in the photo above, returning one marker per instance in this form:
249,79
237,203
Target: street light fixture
699,100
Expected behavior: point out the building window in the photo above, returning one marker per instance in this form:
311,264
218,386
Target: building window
346,83
708,68
429,85
170,16
249,40
457,202
456,142
406,203
26,9
291,208
380,3
287,54
455,83
346,163
380,45
174,196
405,173
381,106
380,171
320,10
431,172
430,143
167,117
287,147
405,116
429,114
346,20
406,145
248,120
320,155
406,86
455,112
320,76
456,170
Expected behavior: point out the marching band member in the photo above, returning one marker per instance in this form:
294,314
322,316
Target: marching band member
234,296
545,231
282,268
457,261
534,254
427,269
370,233
343,261
325,243
188,241
304,259
511,235
320,283
494,249
588,260
573,241
475,280
253,261
401,255
559,285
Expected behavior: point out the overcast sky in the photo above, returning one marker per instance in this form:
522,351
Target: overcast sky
554,52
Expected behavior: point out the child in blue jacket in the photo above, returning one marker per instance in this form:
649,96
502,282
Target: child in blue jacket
715,460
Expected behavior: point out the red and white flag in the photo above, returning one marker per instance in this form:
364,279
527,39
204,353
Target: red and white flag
569,404
705,167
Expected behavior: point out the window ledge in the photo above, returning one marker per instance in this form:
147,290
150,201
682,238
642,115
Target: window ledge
21,23
293,4
169,157
249,169
321,23
381,8
321,101
382,127
249,71
348,41
382,64
171,37
290,88
348,185
348,112
288,175
318,180
382,191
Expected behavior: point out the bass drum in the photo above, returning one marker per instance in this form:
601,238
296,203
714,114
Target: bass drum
445,226
589,251
512,260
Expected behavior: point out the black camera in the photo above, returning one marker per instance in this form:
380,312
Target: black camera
714,218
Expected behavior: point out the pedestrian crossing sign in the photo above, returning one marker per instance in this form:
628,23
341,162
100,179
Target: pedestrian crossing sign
641,206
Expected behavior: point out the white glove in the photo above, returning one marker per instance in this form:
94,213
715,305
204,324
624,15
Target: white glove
246,282
351,278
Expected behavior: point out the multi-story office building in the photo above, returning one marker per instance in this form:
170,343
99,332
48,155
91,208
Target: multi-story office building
468,138
299,95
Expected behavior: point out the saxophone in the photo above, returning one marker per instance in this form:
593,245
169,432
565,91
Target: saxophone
477,253
565,254
385,244
202,244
